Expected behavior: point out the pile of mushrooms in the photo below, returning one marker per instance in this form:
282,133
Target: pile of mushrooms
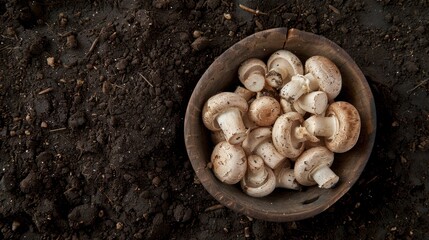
282,128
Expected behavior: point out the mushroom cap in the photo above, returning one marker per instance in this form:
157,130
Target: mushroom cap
294,65
220,103
258,186
264,111
256,68
327,74
255,138
309,162
229,162
283,134
349,124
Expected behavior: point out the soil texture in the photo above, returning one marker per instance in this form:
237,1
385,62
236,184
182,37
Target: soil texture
93,95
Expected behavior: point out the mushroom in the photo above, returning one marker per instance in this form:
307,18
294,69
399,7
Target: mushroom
285,176
259,180
313,167
264,111
321,74
313,102
340,127
252,74
259,142
289,136
282,65
224,111
245,93
229,162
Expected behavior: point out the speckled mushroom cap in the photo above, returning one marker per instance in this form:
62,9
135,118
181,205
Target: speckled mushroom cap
349,125
220,103
327,74
264,111
309,162
283,136
229,162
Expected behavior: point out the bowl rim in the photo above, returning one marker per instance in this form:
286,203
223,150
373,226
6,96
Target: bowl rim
246,207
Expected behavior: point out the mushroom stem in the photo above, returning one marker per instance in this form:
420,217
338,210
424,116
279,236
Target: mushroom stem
298,86
232,126
313,102
255,81
321,126
301,134
269,153
325,177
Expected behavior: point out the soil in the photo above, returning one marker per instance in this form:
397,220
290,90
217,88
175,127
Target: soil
93,96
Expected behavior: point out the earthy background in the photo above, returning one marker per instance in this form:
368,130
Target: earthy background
93,95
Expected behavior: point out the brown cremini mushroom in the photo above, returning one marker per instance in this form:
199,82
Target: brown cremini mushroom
282,65
340,127
259,180
224,111
252,74
313,167
321,74
259,142
264,111
289,136
229,162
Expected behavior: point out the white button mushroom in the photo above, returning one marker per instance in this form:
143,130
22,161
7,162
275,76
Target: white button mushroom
259,142
314,102
285,176
321,74
289,136
252,74
224,111
264,111
229,162
313,167
245,93
259,180
340,127
282,65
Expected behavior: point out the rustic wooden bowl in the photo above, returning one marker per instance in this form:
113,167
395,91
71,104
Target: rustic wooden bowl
281,205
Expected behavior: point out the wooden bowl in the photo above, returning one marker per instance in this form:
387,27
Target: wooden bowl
281,205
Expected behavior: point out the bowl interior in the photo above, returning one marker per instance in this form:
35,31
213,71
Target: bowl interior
281,205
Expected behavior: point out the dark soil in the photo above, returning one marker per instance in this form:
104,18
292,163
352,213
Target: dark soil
93,95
